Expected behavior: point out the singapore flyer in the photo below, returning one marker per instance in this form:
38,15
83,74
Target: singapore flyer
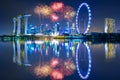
83,70
78,17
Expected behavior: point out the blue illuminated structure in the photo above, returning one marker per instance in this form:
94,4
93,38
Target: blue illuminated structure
89,62
89,17
20,25
15,26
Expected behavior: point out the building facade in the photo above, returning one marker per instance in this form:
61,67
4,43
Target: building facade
20,25
109,25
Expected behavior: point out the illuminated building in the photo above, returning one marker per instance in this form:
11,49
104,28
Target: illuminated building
26,22
20,25
29,30
57,28
68,27
73,30
109,25
109,51
15,26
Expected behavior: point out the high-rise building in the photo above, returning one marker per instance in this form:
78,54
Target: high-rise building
73,29
56,28
15,26
109,25
26,22
68,27
20,25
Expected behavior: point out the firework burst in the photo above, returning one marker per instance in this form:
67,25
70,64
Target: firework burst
57,6
69,12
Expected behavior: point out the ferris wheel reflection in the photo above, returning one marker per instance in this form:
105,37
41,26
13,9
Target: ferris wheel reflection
83,60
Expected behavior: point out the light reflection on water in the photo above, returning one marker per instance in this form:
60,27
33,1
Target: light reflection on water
65,60
56,59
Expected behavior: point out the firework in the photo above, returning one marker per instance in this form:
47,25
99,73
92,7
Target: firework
56,11
69,12
54,17
37,10
57,6
57,75
69,67
46,10
42,71
43,9
54,62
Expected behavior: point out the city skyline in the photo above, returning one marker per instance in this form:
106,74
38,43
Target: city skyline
60,39
100,10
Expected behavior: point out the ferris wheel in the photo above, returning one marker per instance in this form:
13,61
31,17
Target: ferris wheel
87,22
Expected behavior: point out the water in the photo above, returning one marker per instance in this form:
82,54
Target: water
59,60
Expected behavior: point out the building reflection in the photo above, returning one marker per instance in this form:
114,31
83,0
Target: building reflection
20,53
110,50
55,58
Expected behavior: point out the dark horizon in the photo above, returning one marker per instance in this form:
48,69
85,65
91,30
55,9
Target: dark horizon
100,9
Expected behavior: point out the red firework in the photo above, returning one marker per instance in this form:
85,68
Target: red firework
57,75
57,6
54,17
54,62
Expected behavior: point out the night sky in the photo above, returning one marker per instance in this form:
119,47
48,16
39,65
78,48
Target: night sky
100,9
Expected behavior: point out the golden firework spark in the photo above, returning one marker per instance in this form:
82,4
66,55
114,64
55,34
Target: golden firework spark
43,9
69,67
69,12
42,71
37,10
46,10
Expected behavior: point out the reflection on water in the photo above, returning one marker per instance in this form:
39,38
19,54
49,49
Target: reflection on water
55,58
64,60
110,50
83,59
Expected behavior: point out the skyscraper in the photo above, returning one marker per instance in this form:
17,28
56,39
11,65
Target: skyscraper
109,25
26,22
20,25
15,26
73,29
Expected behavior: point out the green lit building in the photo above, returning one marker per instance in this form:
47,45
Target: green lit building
109,25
